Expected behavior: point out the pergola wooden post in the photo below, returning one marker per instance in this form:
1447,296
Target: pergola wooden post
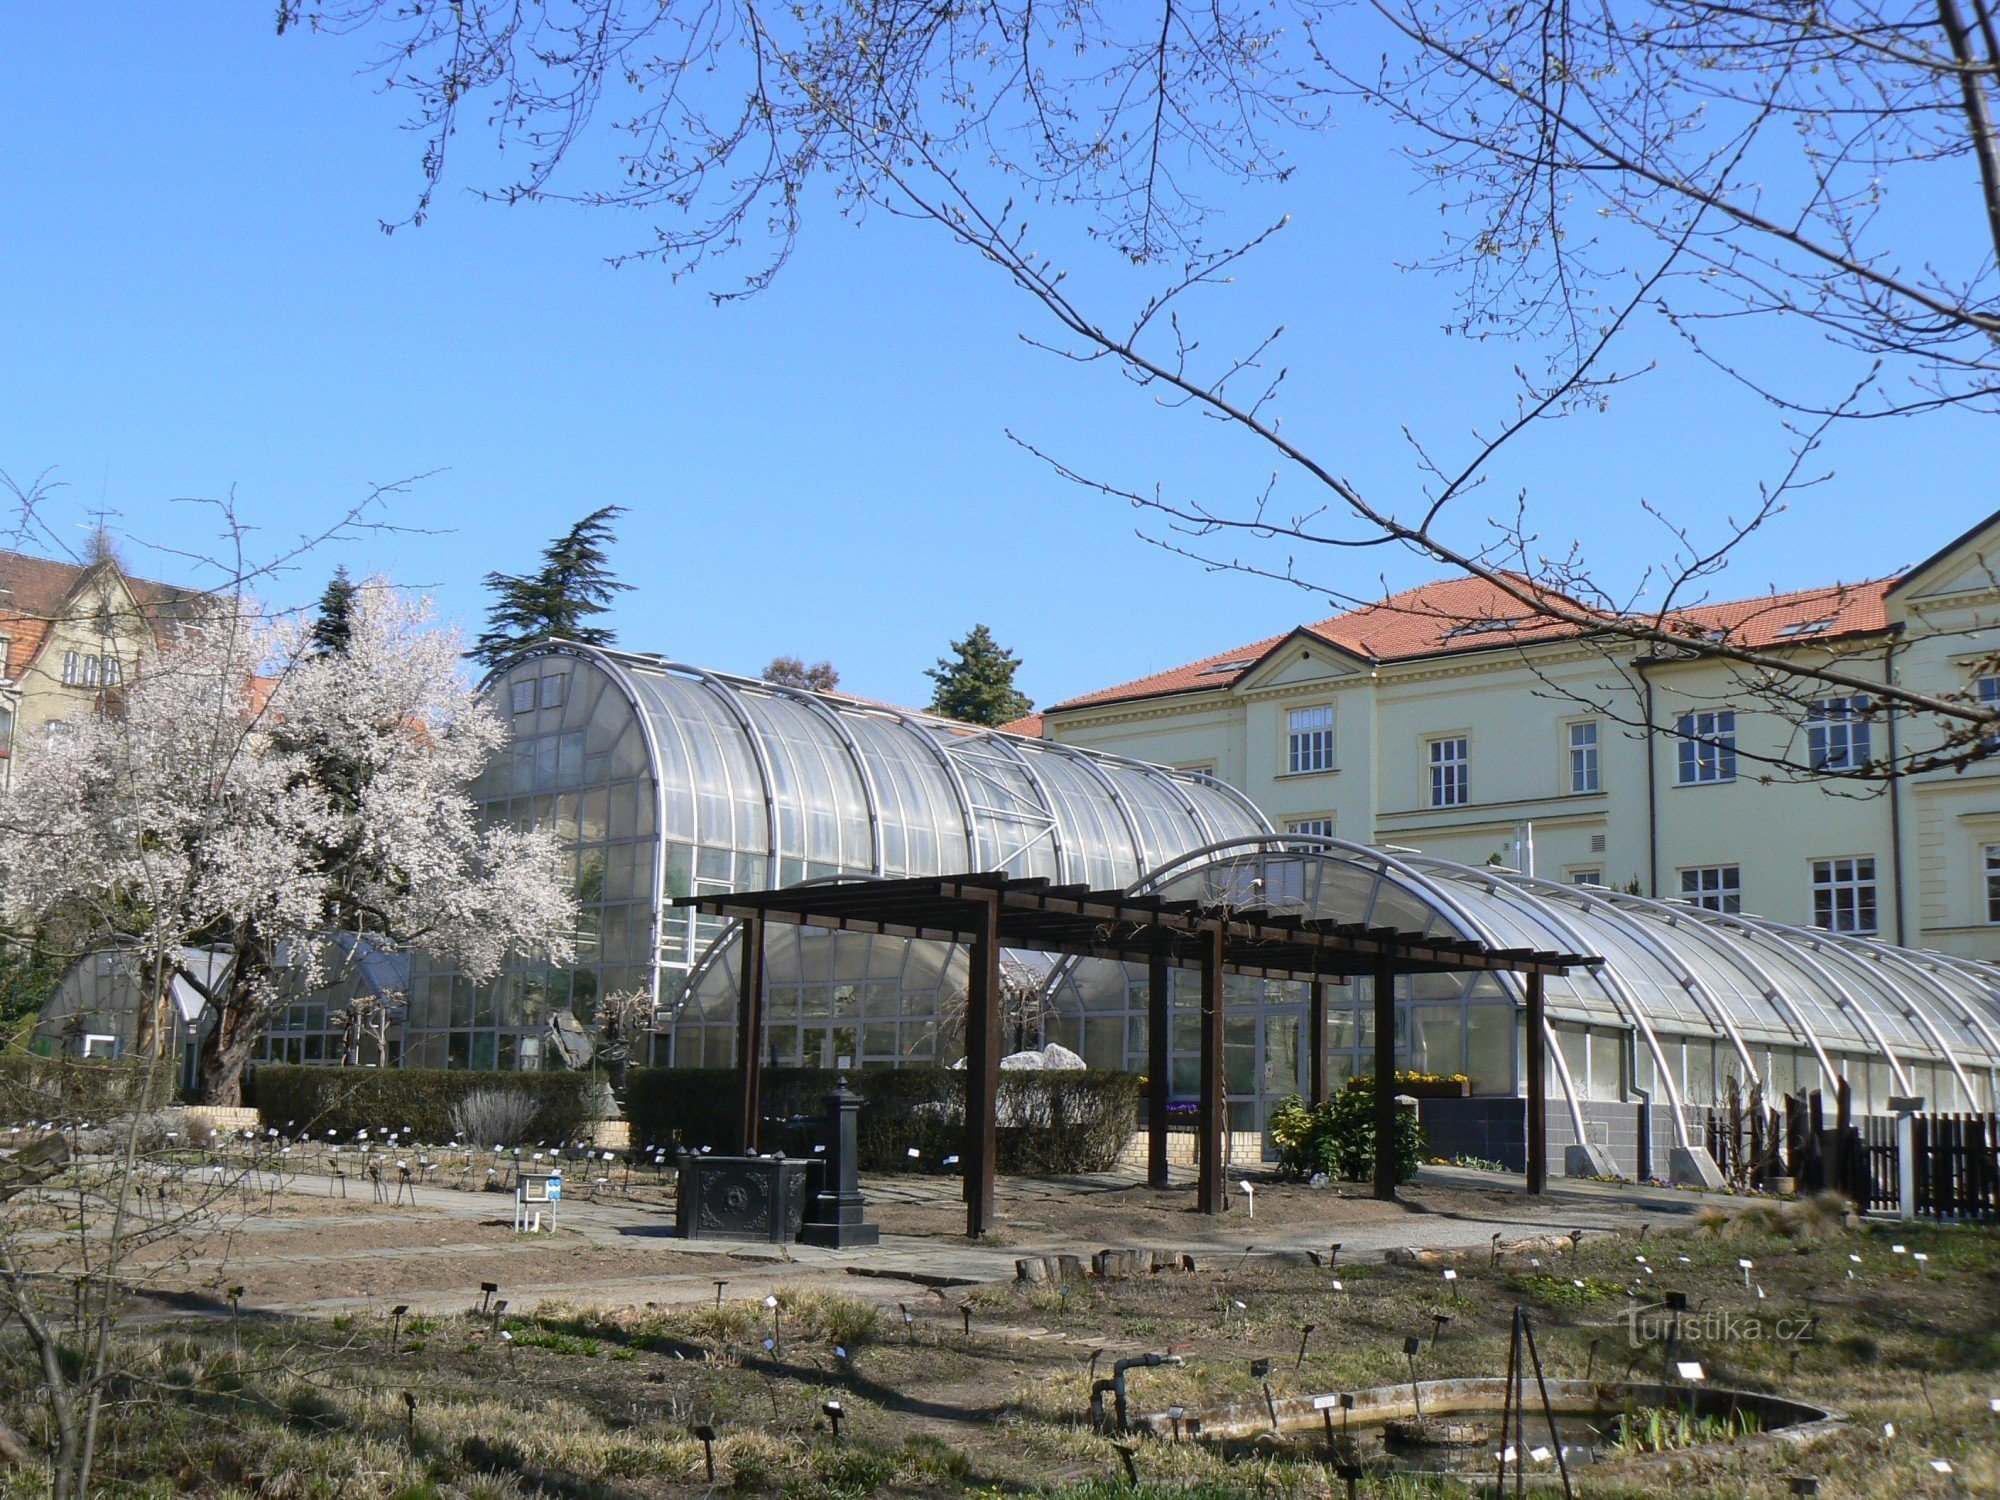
1316,1039
1214,1099
1538,1085
1159,1035
987,910
750,1037
1385,1075
982,1065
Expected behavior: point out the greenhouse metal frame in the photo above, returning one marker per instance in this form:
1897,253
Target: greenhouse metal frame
665,780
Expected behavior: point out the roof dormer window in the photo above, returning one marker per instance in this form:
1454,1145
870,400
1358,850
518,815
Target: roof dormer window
1487,626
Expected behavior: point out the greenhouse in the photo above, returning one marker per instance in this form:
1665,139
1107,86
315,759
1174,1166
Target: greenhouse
1687,1001
664,780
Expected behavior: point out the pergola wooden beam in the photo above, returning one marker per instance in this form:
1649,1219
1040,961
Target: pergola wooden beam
989,912
982,1070
1214,1103
750,1036
1385,1075
1159,1022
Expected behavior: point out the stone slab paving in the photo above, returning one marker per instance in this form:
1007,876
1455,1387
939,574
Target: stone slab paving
888,1272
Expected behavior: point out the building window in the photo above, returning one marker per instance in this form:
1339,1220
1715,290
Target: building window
1586,877
552,689
1450,786
1989,697
1311,827
91,666
1583,756
1713,888
1837,734
1844,894
114,671
1201,768
1993,882
1708,746
1310,742
523,695
72,667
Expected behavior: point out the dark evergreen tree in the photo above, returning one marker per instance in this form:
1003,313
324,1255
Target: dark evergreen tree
573,584
333,622
978,687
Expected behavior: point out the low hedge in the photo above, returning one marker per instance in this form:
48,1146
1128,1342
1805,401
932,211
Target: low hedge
1050,1122
66,1088
297,1099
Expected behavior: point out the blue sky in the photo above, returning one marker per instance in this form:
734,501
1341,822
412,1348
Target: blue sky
195,299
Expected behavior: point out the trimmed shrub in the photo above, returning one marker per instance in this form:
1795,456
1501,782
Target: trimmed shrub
298,1099
1049,1122
90,1089
1338,1137
505,1117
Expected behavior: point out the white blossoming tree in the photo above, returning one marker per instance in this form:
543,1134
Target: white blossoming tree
278,793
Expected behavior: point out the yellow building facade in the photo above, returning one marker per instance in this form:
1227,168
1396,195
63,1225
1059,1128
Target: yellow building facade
1434,722
72,634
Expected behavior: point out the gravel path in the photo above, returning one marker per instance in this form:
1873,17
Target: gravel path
334,1256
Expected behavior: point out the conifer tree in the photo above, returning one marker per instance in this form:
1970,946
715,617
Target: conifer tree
978,686
333,621
573,584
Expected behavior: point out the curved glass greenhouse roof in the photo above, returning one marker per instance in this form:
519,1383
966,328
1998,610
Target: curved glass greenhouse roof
1684,1001
663,780
840,785
1771,1000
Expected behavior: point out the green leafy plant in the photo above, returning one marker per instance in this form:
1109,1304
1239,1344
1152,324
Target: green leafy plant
1338,1137
1668,1429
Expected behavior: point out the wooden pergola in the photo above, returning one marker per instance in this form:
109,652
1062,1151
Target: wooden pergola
990,912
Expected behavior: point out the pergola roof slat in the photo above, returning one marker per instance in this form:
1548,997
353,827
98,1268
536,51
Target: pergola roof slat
1035,915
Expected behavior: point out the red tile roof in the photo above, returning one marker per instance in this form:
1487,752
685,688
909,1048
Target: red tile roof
1802,615
35,590
1470,614
1028,726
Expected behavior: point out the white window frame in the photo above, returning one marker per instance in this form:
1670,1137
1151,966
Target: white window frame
93,668
1450,758
1591,876
114,671
1309,739
1315,827
1717,888
1837,737
1585,767
1706,754
1987,689
1845,895
1991,856
72,671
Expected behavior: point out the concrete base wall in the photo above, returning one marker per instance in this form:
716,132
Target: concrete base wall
1497,1130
